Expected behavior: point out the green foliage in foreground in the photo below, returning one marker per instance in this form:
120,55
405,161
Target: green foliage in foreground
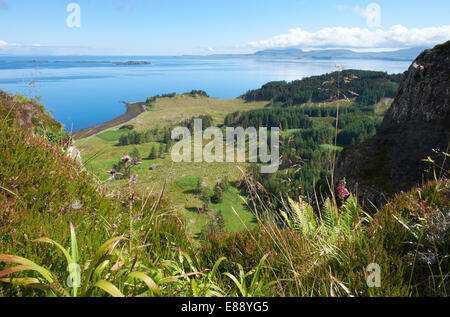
328,252
299,251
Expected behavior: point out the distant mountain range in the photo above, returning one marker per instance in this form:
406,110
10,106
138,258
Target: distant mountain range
294,53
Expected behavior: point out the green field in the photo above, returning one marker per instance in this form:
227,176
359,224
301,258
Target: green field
100,153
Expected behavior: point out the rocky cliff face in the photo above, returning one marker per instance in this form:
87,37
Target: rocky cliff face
416,126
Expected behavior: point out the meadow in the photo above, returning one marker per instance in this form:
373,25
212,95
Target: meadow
100,153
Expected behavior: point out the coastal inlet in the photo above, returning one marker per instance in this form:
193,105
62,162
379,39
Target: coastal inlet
133,110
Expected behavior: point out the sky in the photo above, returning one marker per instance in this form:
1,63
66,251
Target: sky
202,27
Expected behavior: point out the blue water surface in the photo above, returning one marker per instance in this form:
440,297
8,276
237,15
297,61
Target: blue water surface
82,91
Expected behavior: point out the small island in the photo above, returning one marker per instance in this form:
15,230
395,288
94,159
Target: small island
132,63
34,61
105,62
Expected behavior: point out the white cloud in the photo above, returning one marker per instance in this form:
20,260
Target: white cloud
357,10
6,44
360,11
397,36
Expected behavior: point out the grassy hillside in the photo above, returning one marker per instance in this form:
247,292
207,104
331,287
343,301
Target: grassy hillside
129,240
101,152
171,110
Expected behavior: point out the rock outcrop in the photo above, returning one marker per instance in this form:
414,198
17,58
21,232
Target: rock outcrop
416,126
29,112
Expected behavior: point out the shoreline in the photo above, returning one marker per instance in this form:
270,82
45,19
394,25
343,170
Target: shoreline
134,109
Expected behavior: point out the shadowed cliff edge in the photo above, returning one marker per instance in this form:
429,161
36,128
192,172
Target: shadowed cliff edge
415,127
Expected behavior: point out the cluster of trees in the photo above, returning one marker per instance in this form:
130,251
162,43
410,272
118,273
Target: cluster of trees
162,135
208,196
305,148
150,102
158,151
207,122
365,86
220,187
198,93
127,127
356,129
304,163
153,98
373,96
291,118
153,135
286,118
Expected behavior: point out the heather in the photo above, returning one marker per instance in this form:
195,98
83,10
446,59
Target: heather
58,217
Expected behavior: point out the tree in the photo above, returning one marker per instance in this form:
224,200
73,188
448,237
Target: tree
205,198
161,150
198,188
124,140
135,154
166,137
217,198
153,153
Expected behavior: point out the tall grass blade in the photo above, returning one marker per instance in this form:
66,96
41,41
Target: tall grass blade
22,281
147,280
50,241
238,284
107,248
19,260
109,288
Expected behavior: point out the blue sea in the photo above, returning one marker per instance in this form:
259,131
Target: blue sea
82,91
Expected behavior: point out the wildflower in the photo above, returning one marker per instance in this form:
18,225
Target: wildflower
342,191
179,249
115,226
126,158
136,161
